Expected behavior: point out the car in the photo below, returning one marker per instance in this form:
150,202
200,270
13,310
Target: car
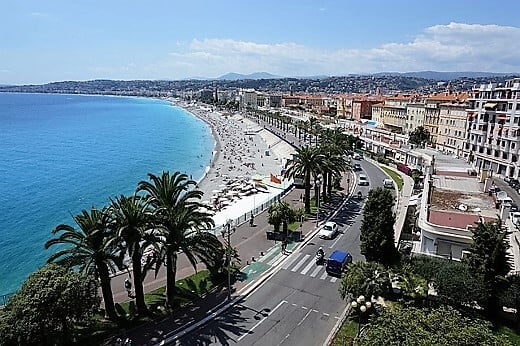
357,167
513,207
514,183
388,183
338,262
363,180
357,156
329,230
515,218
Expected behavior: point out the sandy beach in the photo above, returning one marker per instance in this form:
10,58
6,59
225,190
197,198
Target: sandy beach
243,150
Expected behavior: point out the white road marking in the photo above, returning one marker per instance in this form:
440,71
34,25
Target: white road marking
270,263
262,320
304,308
302,261
326,314
309,266
304,317
289,262
323,276
338,238
316,271
333,279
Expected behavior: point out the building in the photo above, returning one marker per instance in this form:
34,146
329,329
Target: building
451,134
248,99
492,137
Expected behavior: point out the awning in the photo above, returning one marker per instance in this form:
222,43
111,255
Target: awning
490,105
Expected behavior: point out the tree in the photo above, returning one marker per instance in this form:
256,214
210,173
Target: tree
443,326
45,309
91,248
456,283
488,256
377,227
132,225
307,162
281,213
419,136
180,221
365,278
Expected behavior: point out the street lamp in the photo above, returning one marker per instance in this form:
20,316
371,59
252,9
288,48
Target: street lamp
361,307
318,182
226,234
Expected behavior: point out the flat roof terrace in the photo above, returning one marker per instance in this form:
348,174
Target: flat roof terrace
458,200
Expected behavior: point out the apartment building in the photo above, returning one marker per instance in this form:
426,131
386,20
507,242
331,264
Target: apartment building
451,134
248,99
414,116
391,114
492,137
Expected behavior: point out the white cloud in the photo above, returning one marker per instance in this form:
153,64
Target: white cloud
451,47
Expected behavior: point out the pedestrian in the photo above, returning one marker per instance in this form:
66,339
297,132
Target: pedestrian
119,342
128,287
284,246
252,221
128,342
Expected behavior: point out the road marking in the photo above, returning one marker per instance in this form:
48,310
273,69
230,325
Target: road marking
309,266
323,276
326,314
333,279
288,263
304,317
270,263
262,320
268,254
338,238
316,271
305,308
293,304
301,262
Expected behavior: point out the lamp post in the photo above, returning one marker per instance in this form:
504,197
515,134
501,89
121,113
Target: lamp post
361,307
226,234
318,184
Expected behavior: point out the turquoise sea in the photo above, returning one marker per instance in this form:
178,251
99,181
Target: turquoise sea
60,154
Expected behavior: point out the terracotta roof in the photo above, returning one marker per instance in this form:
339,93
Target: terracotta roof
455,219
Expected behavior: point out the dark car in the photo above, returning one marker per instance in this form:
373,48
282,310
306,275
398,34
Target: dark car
514,183
513,207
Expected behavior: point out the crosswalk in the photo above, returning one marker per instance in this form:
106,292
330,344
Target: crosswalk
300,260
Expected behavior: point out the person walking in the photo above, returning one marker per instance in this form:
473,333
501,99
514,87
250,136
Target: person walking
252,220
128,287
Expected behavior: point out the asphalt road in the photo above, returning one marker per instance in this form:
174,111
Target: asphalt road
300,304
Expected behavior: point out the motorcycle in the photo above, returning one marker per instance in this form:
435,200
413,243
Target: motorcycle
320,257
359,195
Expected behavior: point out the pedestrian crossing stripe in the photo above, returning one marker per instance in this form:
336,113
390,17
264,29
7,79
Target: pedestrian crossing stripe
309,266
297,261
302,261
291,261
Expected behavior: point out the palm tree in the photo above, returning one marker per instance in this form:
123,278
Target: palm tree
91,248
180,221
281,213
131,222
307,162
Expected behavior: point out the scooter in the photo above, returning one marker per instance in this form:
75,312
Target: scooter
320,257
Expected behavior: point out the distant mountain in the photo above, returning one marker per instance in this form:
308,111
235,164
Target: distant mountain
443,75
256,75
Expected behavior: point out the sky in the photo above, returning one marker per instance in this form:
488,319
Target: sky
43,41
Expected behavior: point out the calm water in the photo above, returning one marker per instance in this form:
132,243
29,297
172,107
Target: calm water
60,154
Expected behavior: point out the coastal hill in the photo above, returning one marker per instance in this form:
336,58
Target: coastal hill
256,75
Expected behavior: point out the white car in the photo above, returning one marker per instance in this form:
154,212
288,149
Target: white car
363,179
328,231
515,218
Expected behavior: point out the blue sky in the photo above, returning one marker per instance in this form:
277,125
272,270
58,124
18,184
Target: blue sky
43,41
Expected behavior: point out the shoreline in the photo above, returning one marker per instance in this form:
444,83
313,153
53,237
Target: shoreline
237,157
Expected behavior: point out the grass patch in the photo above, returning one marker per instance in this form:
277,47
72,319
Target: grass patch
395,177
511,334
346,333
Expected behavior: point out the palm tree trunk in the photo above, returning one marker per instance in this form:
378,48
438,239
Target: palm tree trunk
307,193
171,272
138,282
106,290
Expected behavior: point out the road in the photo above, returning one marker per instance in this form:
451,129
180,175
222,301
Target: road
300,303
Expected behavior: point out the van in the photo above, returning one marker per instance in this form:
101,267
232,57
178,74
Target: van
363,180
388,183
337,262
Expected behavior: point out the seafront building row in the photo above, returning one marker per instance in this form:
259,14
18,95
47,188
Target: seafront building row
481,125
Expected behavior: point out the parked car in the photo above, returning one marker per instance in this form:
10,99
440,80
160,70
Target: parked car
363,180
329,230
357,156
513,207
357,167
514,183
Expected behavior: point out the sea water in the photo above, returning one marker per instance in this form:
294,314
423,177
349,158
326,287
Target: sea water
60,154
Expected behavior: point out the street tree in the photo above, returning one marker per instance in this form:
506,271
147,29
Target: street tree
181,222
281,213
377,227
91,248
46,308
488,256
419,136
307,162
365,278
442,326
